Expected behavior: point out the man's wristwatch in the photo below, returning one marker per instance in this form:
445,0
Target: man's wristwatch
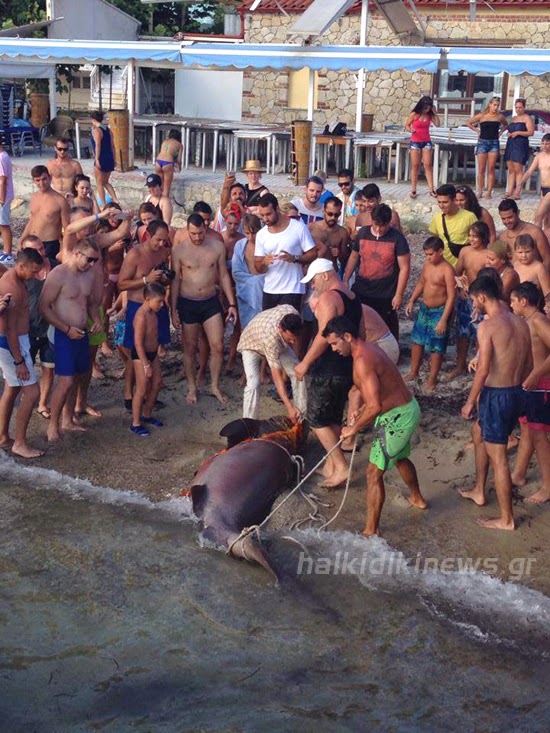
297,259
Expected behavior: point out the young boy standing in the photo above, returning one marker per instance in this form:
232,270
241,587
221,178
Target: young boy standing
437,288
145,358
527,266
471,260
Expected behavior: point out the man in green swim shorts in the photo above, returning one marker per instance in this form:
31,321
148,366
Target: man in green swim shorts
395,412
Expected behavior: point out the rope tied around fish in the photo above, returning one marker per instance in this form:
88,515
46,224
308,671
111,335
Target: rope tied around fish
310,498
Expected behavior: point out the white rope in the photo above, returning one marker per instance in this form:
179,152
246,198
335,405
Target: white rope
257,527
326,524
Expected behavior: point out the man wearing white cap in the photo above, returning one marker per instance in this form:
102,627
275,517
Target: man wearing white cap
331,373
282,247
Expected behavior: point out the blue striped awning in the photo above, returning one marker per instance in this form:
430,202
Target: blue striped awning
291,56
58,51
514,61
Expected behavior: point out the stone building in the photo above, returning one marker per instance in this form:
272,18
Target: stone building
389,96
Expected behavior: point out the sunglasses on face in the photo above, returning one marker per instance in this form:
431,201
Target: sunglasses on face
344,183
89,260
62,150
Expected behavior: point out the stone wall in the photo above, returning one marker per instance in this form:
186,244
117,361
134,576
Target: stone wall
389,96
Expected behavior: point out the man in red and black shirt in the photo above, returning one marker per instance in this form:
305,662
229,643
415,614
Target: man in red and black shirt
384,259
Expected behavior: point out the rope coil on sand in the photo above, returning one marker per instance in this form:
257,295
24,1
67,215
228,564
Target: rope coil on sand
311,499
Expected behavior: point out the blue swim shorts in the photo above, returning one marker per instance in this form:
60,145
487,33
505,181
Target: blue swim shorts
499,410
71,355
131,310
487,146
465,328
423,332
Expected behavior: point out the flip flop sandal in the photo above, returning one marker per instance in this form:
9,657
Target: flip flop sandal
46,414
152,421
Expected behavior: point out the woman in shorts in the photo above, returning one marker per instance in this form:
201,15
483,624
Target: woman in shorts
420,147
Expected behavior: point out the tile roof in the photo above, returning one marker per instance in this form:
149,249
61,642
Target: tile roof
298,6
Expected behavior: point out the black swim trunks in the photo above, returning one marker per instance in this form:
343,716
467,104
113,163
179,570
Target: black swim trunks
499,410
544,190
272,300
326,400
151,355
193,311
51,248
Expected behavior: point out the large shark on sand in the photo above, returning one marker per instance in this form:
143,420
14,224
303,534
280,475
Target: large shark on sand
236,488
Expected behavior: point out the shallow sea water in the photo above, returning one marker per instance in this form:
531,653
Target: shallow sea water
113,618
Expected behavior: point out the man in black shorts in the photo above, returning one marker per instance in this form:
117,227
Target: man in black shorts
331,373
198,259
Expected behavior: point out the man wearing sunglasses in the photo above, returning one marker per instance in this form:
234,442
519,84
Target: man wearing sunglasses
69,299
348,190
63,169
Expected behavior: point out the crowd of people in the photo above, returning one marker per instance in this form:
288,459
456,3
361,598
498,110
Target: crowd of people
308,291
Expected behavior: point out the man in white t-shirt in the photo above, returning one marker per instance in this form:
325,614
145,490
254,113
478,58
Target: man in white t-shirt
283,246
6,197
310,208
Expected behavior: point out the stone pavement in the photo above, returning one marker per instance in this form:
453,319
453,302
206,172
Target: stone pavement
195,184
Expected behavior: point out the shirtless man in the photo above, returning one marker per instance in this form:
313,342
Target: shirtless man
373,198
158,199
206,214
525,301
394,410
309,207
63,169
509,214
200,268
49,212
331,234
504,362
541,163
15,353
67,303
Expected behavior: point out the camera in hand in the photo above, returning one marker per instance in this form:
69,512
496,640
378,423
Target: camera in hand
166,271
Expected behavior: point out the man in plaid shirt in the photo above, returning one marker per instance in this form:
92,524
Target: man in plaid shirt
271,334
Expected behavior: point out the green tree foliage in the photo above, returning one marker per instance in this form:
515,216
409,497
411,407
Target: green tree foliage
168,18
20,12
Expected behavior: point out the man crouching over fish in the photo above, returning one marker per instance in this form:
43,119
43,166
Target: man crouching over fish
389,403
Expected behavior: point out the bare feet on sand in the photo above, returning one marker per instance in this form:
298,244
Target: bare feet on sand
539,497
73,427
370,532
418,501
496,523
410,377
88,410
518,480
475,494
53,435
335,480
191,398
6,442
23,450
454,373
219,396
429,387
